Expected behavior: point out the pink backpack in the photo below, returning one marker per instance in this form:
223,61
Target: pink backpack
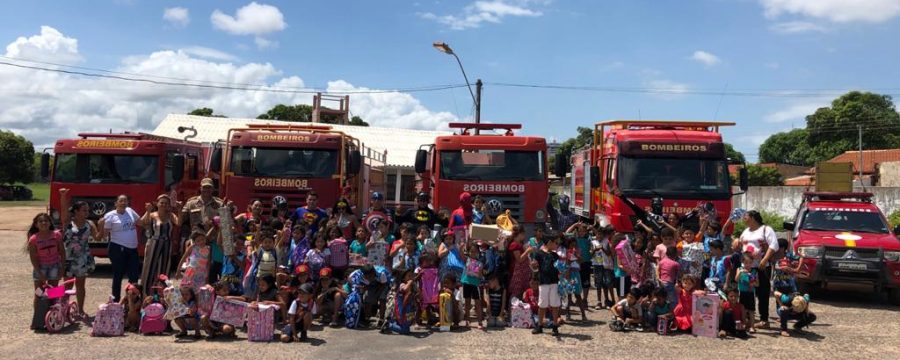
152,319
431,286
110,320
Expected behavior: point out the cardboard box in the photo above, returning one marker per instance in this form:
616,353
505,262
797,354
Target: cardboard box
487,233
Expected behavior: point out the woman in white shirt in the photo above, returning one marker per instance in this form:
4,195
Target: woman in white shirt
764,244
119,225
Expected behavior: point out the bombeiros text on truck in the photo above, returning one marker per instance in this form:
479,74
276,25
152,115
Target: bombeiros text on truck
507,170
668,166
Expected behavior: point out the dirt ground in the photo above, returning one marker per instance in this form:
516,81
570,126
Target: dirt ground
850,326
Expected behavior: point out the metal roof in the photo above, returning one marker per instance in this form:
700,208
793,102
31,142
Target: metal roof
401,144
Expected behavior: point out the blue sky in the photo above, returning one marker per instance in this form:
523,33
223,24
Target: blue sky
798,53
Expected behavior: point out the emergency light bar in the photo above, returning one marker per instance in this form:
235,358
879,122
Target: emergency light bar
839,196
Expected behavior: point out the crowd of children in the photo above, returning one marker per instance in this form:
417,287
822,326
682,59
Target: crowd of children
393,274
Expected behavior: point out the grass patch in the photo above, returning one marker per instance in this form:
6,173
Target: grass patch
40,196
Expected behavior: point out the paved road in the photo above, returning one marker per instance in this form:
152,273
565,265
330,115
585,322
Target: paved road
850,327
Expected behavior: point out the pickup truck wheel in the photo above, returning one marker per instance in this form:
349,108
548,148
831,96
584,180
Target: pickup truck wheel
894,296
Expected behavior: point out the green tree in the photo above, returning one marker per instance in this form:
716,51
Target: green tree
585,136
733,154
788,148
17,157
204,111
764,176
358,121
283,112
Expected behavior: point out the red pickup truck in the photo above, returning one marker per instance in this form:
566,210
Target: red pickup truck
843,238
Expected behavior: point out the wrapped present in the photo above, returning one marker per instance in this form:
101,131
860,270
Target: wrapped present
229,312
520,314
445,311
261,323
625,255
430,285
176,307
206,295
110,320
358,260
226,224
705,314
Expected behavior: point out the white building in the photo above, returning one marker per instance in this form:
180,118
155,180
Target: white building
400,144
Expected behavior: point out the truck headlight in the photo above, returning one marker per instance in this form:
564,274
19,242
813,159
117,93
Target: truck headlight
540,214
812,252
893,256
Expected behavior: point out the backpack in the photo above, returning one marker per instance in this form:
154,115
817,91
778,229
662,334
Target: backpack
152,319
110,320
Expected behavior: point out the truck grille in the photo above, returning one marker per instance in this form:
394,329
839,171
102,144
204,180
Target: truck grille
98,206
496,204
838,253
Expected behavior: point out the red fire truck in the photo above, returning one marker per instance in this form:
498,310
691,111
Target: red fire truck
508,171
264,161
672,166
99,167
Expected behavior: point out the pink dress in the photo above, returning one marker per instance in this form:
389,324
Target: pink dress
683,311
197,271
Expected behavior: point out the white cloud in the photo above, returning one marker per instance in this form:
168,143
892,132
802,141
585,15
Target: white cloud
705,58
177,16
841,11
478,12
252,19
68,104
794,113
51,45
796,27
263,43
208,53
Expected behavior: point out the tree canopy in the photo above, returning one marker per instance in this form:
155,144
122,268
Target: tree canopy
733,154
205,111
833,130
17,157
303,113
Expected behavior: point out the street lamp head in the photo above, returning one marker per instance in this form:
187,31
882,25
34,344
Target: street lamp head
443,47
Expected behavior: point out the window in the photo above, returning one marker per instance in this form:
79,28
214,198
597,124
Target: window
193,167
106,169
308,163
673,177
502,165
844,220
391,185
408,188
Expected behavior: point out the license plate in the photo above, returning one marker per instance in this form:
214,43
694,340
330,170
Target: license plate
851,266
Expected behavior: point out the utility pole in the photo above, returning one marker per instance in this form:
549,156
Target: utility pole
859,126
478,85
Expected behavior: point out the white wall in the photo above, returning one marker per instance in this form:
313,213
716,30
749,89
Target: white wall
785,200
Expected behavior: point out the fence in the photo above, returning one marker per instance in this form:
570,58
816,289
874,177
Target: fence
785,200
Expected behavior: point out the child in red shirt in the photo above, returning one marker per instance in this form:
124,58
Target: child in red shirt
731,316
531,296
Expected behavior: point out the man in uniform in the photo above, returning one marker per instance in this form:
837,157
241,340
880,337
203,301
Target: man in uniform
198,213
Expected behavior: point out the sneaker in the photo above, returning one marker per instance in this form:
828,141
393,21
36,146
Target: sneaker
555,330
537,330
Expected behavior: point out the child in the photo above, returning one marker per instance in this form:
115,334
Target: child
531,295
601,266
407,258
471,281
668,271
377,246
429,286
717,269
190,320
786,269
330,297
497,300
265,261
683,310
428,242
448,284
668,240
301,313
233,269
583,247
340,252
358,246
570,284
628,312
692,254
214,328
404,310
47,252
731,315
197,255
132,303
660,310
548,292
299,245
746,280
318,256
793,306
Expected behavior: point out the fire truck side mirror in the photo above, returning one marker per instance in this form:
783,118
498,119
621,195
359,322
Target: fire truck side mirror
788,225
595,177
743,179
177,168
421,161
354,162
215,161
560,166
45,165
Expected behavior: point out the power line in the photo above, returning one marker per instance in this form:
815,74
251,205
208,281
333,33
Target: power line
262,88
779,93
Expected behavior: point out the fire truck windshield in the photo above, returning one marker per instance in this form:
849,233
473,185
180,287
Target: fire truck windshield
844,220
105,168
497,165
673,177
307,163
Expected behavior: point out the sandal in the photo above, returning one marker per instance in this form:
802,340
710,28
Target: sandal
762,325
181,335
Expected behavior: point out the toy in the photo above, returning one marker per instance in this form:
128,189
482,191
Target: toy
62,312
153,319
705,314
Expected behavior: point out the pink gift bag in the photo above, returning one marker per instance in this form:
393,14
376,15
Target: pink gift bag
205,297
261,323
110,320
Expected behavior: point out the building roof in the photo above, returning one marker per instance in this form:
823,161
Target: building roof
803,180
870,159
400,144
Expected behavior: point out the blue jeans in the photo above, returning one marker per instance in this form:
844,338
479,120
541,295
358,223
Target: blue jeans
670,294
124,261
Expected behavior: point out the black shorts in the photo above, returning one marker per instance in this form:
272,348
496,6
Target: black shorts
748,300
471,292
585,270
603,278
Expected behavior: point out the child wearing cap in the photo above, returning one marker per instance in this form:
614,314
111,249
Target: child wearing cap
300,313
329,297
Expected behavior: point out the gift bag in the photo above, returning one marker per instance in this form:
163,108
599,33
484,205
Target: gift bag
352,309
176,308
520,314
445,311
261,323
625,255
110,320
430,286
705,315
206,295
229,312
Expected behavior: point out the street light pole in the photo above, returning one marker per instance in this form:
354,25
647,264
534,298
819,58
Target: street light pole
444,48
